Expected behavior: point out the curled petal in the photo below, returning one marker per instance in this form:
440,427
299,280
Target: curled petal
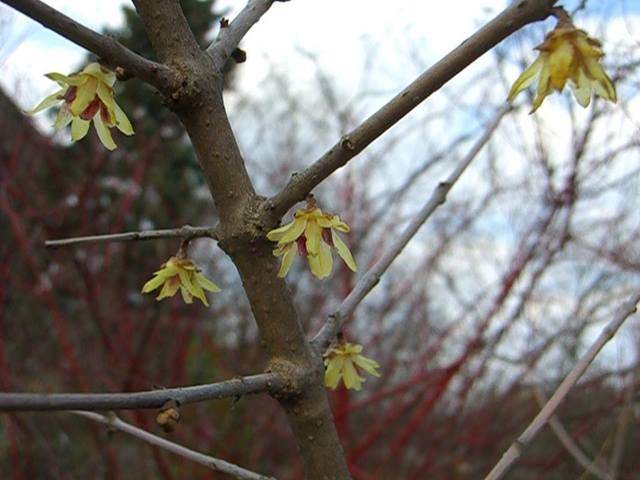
344,251
289,232
288,253
48,102
525,79
103,133
207,284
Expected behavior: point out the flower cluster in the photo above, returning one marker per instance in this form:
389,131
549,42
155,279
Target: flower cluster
312,234
87,96
342,363
180,273
567,55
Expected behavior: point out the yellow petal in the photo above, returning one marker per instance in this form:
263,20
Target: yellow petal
79,128
86,94
105,94
169,289
368,365
313,232
63,118
47,102
122,122
100,73
559,62
205,283
152,284
186,296
322,264
64,80
103,133
288,256
525,79
544,87
289,232
333,372
350,376
582,89
343,251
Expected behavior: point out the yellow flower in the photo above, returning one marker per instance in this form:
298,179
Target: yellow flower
341,362
87,96
312,234
567,55
180,273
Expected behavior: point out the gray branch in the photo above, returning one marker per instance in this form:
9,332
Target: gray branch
516,449
107,48
186,232
372,277
514,17
211,462
23,402
230,35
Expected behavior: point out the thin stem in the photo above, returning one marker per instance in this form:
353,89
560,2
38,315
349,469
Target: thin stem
514,452
107,48
211,462
230,35
517,15
186,232
372,277
23,402
565,439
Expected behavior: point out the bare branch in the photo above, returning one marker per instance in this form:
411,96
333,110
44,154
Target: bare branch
230,35
372,277
565,439
23,402
516,16
514,452
211,462
186,232
107,48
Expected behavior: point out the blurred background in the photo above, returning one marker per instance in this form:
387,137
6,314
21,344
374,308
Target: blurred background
474,325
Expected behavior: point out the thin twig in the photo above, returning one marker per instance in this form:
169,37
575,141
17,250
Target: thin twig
185,232
514,452
230,35
23,402
517,15
107,48
211,462
372,277
565,439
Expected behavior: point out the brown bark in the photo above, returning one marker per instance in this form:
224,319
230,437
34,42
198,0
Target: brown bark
242,236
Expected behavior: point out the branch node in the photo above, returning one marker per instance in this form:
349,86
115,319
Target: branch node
347,144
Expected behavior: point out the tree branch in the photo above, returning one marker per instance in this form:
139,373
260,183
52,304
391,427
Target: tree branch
107,48
372,277
510,20
23,402
565,439
230,35
213,463
186,232
514,452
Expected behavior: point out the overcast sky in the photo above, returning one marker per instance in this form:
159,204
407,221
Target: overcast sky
337,30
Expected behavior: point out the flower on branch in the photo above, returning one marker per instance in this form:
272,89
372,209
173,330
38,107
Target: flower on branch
312,234
87,96
567,55
180,273
343,361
